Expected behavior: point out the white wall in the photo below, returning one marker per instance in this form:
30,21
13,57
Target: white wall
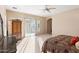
23,16
66,23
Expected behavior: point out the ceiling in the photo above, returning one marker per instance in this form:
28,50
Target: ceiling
38,9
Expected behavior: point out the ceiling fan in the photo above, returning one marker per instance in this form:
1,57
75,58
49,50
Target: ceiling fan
48,9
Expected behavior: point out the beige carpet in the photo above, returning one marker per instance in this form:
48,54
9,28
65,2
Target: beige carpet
32,44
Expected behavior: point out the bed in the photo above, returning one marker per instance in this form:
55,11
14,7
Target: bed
59,44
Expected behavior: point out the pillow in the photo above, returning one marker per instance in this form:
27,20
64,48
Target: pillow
77,45
74,40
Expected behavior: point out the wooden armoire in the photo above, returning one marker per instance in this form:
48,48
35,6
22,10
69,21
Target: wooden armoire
17,29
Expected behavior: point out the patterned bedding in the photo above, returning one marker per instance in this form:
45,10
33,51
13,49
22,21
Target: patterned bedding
59,44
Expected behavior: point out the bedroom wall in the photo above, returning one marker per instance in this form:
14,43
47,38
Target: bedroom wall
23,16
66,23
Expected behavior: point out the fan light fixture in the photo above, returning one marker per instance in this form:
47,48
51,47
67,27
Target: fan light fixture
14,7
47,9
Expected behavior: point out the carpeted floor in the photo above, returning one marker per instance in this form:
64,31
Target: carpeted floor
31,44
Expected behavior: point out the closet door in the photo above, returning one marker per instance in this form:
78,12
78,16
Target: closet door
16,29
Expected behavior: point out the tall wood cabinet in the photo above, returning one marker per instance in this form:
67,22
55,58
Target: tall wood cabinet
17,29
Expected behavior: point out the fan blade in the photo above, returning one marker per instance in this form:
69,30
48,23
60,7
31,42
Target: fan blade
48,11
51,8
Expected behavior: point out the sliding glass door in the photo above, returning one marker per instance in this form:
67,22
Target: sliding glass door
32,26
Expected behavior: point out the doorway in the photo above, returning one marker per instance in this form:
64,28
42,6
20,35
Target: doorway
17,29
49,26
32,27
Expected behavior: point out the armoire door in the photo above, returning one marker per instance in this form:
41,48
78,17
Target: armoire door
16,29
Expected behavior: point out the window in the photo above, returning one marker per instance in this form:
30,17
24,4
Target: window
32,26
